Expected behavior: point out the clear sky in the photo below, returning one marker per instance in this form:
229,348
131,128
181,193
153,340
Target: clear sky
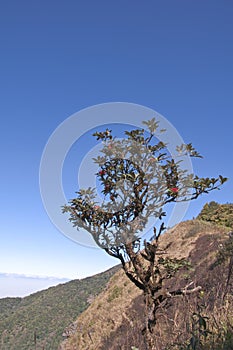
59,57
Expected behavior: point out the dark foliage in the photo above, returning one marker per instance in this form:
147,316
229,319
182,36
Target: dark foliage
221,214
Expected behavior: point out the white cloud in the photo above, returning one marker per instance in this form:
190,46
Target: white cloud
19,285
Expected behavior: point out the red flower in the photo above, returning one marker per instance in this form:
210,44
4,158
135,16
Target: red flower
174,190
102,172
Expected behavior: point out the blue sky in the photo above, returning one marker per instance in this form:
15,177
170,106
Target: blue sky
59,57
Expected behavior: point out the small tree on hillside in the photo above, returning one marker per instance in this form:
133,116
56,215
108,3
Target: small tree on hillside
139,177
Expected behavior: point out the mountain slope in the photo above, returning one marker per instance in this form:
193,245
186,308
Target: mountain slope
39,320
115,319
106,311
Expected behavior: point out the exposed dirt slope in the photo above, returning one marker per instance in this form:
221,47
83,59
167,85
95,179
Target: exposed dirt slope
115,318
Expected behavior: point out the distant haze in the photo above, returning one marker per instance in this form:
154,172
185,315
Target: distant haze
14,285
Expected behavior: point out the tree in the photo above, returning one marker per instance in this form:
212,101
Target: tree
220,214
139,178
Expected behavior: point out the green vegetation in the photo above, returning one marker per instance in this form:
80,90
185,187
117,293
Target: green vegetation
220,214
115,293
39,320
7,306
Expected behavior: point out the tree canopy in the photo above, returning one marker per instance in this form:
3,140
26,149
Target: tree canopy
138,177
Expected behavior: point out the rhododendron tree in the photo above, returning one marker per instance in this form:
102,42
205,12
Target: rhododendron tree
139,178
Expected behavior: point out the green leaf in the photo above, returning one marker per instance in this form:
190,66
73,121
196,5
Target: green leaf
222,179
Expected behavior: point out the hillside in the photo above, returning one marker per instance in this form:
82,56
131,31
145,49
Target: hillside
201,321
38,321
105,311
